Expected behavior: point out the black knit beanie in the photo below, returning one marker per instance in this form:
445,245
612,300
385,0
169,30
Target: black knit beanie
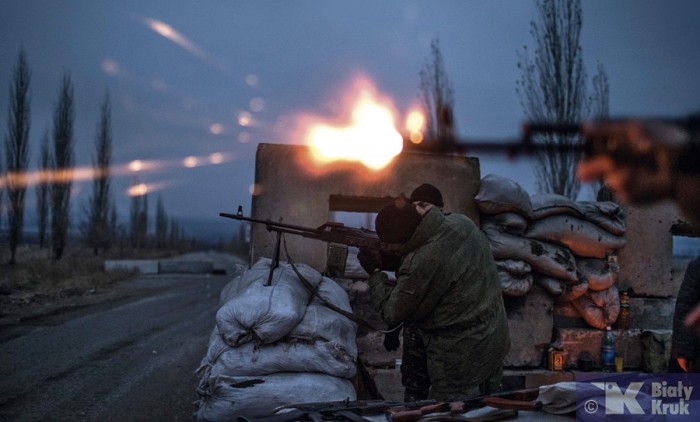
427,193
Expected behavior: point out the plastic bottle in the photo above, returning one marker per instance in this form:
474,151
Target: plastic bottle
623,320
607,350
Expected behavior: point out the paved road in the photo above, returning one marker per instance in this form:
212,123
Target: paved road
132,360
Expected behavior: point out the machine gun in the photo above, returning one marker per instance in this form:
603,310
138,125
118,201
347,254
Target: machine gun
634,141
641,142
331,231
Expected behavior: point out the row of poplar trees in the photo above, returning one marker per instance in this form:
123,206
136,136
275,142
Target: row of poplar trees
54,178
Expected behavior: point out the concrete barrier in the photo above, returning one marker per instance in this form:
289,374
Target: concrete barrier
143,266
167,266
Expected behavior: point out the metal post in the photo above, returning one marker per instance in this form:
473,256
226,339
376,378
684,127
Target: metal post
275,259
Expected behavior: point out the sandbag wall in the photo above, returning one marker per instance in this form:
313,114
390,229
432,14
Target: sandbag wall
277,345
567,248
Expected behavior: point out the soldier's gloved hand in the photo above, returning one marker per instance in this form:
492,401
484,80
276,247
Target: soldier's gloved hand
390,262
391,340
370,260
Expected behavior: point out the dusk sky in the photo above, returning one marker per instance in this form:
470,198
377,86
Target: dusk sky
210,80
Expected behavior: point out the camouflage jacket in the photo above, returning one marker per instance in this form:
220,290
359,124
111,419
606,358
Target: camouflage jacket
447,286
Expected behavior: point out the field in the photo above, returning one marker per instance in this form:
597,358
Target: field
37,284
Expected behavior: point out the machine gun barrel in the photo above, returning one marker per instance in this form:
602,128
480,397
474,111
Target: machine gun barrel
331,231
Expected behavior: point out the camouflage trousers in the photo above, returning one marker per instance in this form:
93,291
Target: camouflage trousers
414,370
414,366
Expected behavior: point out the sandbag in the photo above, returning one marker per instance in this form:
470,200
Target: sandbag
509,222
546,204
512,285
606,214
573,291
266,313
561,291
551,285
583,238
513,266
226,398
229,290
599,309
498,194
597,272
321,323
606,208
259,271
545,258
233,287
326,357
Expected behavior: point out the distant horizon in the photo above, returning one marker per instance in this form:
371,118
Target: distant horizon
212,229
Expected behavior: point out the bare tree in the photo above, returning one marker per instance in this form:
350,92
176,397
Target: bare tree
62,163
552,89
42,189
97,230
600,110
161,224
437,97
177,236
17,152
240,244
600,99
138,219
2,193
173,236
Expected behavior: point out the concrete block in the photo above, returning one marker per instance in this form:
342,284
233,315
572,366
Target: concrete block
646,261
143,266
652,313
168,266
530,322
388,382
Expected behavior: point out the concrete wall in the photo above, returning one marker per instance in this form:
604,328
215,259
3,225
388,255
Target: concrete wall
292,188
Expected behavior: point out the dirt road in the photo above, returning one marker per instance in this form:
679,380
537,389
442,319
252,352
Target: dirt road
128,360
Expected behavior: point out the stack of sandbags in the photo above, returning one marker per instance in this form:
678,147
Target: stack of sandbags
560,244
277,345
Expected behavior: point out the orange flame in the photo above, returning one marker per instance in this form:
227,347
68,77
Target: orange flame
371,138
